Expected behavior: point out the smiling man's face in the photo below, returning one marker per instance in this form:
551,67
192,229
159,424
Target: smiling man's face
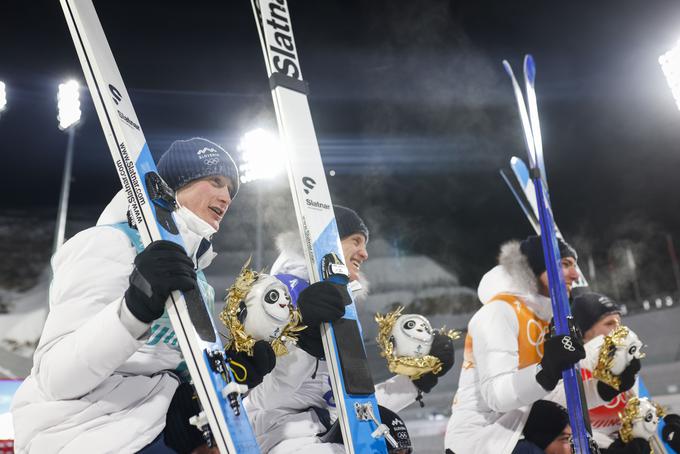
354,250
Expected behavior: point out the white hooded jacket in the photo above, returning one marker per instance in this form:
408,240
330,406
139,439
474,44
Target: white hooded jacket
95,386
279,408
494,394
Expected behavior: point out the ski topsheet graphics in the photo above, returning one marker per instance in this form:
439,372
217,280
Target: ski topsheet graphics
152,202
352,383
578,413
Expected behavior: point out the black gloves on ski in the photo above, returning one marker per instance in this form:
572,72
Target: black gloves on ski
159,269
607,393
635,446
320,302
250,370
442,348
671,431
559,353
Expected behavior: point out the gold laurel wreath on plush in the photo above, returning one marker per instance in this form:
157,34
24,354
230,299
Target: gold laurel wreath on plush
605,359
631,414
239,339
409,366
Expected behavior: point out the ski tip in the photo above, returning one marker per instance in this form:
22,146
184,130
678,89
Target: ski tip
508,68
530,67
514,160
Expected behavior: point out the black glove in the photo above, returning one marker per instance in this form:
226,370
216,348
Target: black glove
607,393
635,446
442,348
250,370
671,431
559,353
320,302
159,269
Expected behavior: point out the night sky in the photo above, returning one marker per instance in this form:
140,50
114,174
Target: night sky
411,106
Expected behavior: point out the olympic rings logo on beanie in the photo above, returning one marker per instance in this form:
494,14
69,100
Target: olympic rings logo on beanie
195,158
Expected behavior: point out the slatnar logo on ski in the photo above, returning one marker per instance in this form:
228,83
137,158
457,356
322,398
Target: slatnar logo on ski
117,97
283,56
308,183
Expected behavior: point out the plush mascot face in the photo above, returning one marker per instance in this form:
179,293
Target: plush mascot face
645,424
625,353
412,335
266,309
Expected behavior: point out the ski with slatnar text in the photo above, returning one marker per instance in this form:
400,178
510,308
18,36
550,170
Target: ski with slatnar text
583,442
223,420
351,380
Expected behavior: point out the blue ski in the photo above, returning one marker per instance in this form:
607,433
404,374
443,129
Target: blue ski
223,418
521,172
578,414
351,380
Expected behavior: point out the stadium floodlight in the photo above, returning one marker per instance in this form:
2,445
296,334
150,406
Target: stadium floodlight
3,96
670,65
262,156
68,104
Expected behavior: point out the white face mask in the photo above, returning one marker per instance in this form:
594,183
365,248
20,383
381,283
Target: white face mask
195,223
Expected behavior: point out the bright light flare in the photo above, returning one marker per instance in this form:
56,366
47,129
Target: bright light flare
68,103
262,156
670,65
3,96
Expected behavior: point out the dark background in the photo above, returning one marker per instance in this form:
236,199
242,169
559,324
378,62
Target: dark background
412,110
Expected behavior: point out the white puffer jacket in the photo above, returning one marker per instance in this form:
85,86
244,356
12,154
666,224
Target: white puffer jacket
494,395
279,408
94,386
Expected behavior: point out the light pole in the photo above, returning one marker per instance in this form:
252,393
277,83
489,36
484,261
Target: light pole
670,65
3,97
262,157
68,105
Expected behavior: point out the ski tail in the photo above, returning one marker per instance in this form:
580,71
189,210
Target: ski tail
576,405
523,204
152,202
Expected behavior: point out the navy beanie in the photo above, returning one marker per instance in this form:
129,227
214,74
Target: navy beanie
588,308
532,249
349,222
189,160
545,423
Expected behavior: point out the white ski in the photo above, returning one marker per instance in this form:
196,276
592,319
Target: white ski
223,418
352,383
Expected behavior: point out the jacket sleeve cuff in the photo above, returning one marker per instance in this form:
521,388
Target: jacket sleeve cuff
527,388
136,327
396,393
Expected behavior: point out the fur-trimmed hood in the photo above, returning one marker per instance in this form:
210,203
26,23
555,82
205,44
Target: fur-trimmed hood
291,259
513,275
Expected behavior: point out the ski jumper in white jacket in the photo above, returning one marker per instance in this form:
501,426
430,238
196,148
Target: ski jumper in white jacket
503,347
280,408
101,382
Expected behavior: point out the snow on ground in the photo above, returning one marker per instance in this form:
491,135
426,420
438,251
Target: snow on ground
20,329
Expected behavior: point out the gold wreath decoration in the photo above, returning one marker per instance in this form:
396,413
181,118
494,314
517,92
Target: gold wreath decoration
605,359
238,338
410,366
631,414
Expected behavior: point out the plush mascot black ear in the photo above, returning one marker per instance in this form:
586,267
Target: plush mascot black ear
242,312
